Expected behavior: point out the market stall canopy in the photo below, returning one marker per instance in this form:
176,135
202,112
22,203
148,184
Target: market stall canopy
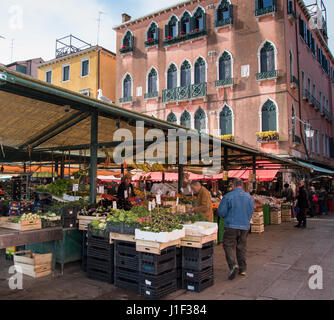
40,117
316,168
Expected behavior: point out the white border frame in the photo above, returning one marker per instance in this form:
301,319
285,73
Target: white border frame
232,62
132,84
158,83
191,72
220,110
81,62
68,64
277,113
45,72
259,54
178,77
206,69
206,120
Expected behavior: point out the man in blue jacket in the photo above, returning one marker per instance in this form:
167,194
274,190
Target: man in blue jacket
236,208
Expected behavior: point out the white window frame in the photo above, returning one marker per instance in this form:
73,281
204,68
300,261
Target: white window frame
206,70
84,91
132,84
259,55
277,113
147,74
218,118
232,62
81,69
62,72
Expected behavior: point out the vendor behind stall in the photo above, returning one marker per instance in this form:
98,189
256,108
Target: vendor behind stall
124,192
204,203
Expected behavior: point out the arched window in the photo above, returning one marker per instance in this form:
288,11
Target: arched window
199,20
185,23
185,74
172,77
172,118
200,120
152,81
171,28
152,32
186,119
224,14
225,66
269,117
127,42
200,71
127,86
226,121
267,57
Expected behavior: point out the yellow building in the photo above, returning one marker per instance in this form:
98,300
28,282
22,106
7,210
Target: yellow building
84,71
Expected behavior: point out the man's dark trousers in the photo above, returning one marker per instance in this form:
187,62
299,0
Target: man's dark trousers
235,246
301,217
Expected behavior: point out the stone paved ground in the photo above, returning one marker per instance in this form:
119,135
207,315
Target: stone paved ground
278,264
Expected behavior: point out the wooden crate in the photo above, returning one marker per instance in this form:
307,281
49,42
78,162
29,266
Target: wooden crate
122,237
22,226
286,215
34,265
275,217
257,228
197,241
257,220
155,247
84,221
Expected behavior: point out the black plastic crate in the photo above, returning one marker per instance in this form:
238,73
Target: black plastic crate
157,264
100,275
127,273
121,228
70,212
69,222
84,263
154,281
127,283
197,276
99,243
100,253
160,292
51,224
126,255
97,233
198,286
100,264
205,251
179,258
197,264
179,283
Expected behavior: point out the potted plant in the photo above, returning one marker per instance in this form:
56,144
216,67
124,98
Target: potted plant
228,137
267,136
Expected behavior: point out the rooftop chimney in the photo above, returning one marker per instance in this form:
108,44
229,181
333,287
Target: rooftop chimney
125,17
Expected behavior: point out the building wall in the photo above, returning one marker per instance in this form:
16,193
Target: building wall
247,96
77,83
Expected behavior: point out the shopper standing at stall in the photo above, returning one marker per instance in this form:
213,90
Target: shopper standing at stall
302,204
204,203
236,208
323,197
313,202
124,192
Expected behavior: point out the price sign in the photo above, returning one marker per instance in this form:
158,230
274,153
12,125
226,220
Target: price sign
150,206
172,193
101,190
158,199
114,205
177,201
75,187
153,204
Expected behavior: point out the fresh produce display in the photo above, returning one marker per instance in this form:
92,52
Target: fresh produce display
126,217
186,218
161,221
58,187
26,217
187,200
99,224
146,167
50,216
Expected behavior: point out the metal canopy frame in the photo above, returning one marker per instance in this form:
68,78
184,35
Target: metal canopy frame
82,108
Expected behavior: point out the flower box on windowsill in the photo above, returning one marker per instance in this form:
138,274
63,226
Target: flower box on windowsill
185,37
228,137
225,83
268,75
151,42
125,50
267,136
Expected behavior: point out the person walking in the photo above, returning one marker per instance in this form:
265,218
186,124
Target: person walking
323,197
302,204
237,208
313,202
204,202
288,195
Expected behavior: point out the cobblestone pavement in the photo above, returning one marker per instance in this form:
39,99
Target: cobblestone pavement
278,268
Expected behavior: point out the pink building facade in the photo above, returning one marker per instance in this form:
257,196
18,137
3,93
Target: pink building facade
230,68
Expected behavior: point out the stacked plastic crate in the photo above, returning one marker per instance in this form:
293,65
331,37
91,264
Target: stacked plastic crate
179,267
197,267
69,217
127,266
158,273
84,251
100,258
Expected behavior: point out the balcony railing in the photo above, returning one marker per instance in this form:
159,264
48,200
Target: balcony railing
297,139
268,75
125,99
316,103
294,82
328,116
151,95
150,43
306,94
224,83
265,11
184,93
184,37
224,22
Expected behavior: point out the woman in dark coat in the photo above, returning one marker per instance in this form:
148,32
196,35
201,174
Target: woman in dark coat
302,204
124,192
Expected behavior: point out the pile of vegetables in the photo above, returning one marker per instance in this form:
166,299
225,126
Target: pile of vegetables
121,216
51,216
99,224
26,217
185,200
58,187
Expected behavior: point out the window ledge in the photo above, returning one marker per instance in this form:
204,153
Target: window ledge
267,76
227,83
189,38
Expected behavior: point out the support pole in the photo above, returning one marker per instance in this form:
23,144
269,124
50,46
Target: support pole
93,156
254,173
62,167
180,178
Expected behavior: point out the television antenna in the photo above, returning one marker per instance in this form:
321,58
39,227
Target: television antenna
99,26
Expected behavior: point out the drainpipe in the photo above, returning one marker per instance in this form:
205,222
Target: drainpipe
98,69
302,130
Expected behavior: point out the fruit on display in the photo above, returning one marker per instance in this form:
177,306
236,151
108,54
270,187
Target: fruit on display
99,224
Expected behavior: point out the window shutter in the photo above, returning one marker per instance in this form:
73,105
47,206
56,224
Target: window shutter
179,28
192,23
263,59
174,79
231,11
166,31
204,21
271,60
228,69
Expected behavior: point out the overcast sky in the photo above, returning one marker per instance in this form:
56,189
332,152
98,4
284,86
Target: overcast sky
43,21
